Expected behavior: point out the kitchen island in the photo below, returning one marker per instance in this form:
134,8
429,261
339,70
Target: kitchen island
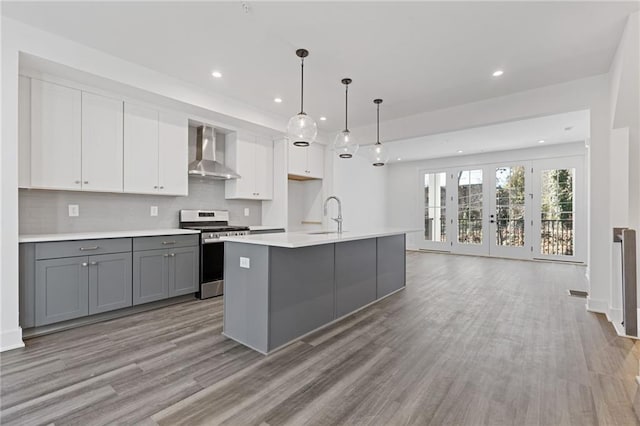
281,287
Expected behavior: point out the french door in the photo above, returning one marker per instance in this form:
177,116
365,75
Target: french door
519,209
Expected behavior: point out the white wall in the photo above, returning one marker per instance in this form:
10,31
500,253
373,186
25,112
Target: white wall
362,189
624,101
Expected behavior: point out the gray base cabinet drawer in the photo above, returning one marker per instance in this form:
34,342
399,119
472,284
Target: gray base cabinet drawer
60,249
165,242
110,277
150,276
62,287
183,270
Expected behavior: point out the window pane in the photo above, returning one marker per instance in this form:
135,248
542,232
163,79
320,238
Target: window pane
510,198
435,201
470,206
557,227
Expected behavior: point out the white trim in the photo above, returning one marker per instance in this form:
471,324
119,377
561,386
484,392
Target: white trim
599,306
11,339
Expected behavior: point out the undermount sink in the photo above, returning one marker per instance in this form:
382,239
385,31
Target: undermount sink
323,232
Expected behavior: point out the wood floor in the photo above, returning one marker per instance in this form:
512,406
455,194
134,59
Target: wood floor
470,341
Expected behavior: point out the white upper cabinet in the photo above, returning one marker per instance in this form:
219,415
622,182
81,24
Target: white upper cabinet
173,178
263,159
101,143
56,136
315,158
252,158
70,139
24,132
155,151
306,162
140,149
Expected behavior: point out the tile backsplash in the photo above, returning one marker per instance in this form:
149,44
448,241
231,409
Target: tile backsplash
44,212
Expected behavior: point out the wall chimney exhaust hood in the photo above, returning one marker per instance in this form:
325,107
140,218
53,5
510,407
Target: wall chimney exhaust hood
205,164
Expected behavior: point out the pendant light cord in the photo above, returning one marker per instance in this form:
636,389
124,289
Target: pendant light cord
346,106
301,85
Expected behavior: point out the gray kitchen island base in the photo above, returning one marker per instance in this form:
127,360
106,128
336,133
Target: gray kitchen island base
275,295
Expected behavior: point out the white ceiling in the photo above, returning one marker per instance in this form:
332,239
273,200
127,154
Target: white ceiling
552,129
417,56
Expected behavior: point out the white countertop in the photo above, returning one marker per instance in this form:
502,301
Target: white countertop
264,227
305,239
39,238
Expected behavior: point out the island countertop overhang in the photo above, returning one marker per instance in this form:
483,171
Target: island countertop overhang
307,239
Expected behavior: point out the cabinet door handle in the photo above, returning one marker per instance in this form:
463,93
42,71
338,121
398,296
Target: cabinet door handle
84,264
161,187
155,187
86,181
172,254
165,255
168,242
77,182
89,248
93,262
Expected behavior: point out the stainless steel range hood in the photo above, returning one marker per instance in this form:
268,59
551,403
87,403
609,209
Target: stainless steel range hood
205,164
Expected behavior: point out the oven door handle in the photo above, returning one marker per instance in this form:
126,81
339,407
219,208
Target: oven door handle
211,240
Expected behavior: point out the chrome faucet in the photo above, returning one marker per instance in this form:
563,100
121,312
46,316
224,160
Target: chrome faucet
339,218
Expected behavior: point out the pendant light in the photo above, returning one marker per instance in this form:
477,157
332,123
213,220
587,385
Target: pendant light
379,154
302,129
344,145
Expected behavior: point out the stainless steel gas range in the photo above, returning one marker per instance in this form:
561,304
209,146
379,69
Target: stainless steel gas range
212,224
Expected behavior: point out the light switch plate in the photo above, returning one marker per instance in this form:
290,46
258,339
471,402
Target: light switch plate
74,210
245,262
246,211
154,211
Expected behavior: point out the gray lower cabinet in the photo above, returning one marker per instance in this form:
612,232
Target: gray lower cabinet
355,275
109,282
150,276
391,264
62,289
183,271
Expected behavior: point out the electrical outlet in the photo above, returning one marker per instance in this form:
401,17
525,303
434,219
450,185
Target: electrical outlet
245,262
246,211
154,210
74,210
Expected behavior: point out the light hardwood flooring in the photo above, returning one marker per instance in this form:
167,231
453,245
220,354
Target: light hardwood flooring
470,341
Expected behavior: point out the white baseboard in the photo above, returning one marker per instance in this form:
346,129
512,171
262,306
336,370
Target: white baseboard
615,315
597,305
11,339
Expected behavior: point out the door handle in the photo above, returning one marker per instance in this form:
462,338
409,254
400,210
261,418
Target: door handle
168,242
492,221
89,248
172,254
93,262
84,264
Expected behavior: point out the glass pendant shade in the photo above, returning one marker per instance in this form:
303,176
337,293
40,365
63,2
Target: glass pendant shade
302,129
344,144
379,155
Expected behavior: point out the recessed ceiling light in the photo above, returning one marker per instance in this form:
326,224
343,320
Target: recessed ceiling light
323,118
498,73
541,141
459,151
216,74
277,100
